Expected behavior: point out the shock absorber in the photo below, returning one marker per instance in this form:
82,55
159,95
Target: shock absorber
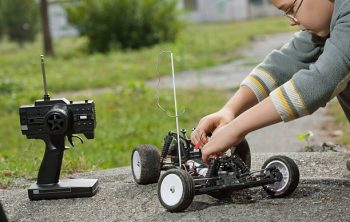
240,164
213,168
166,146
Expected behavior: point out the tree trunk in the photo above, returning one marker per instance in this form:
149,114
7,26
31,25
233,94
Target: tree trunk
48,48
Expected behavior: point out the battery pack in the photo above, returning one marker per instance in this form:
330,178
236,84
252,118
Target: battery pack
69,188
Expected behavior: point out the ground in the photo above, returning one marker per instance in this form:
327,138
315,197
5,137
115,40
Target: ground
322,195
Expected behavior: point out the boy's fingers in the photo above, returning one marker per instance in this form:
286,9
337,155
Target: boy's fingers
198,145
205,155
203,140
205,158
196,135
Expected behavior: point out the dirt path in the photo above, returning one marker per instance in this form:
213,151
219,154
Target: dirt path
278,138
230,75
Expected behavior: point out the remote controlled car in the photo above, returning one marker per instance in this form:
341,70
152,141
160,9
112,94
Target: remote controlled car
186,175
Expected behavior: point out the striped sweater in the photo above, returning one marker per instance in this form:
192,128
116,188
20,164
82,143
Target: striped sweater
308,71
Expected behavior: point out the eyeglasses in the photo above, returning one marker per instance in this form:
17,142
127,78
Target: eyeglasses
289,12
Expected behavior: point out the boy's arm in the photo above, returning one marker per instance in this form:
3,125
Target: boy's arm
280,65
242,100
312,88
266,77
304,93
261,115
309,88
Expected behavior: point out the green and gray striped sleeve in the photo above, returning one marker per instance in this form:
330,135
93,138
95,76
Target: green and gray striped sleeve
310,89
278,69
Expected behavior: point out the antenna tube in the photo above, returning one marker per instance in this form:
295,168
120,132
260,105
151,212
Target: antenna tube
44,75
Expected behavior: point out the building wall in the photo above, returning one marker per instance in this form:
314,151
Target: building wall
227,10
219,10
197,11
58,21
262,10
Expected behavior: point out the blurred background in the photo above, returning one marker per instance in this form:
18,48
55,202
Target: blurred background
107,51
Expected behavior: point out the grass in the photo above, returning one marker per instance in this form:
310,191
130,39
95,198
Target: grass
125,118
197,46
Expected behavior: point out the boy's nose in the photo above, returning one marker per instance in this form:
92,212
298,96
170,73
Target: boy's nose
293,22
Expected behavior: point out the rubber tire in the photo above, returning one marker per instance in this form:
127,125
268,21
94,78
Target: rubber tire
188,190
149,162
293,179
243,151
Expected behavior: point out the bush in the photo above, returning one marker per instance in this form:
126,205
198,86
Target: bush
125,23
19,19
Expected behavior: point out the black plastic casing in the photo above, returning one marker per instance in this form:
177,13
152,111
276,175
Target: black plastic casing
52,121
81,118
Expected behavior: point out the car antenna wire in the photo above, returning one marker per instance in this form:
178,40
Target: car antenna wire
175,102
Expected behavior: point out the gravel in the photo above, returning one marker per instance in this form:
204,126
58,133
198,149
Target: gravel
323,194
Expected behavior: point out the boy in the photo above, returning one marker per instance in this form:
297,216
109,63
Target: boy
292,82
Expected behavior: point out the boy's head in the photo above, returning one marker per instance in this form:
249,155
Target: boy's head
311,15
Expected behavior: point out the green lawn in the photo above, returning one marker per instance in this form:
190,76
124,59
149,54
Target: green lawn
125,118
196,47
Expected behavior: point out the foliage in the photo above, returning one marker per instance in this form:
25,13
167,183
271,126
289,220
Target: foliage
19,19
196,47
126,117
306,136
125,23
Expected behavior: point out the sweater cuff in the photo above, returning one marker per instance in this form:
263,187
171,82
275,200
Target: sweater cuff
288,102
260,82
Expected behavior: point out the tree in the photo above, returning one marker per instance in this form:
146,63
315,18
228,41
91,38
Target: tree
19,19
1,20
125,24
46,28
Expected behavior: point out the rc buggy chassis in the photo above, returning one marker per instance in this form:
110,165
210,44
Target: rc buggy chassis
279,175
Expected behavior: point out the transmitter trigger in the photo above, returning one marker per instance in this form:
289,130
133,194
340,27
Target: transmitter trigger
70,139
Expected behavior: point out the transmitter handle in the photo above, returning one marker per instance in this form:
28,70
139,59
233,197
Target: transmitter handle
50,167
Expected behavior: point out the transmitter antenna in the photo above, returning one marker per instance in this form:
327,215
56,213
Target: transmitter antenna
46,95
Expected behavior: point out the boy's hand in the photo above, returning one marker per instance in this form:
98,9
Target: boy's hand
261,115
209,124
221,140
